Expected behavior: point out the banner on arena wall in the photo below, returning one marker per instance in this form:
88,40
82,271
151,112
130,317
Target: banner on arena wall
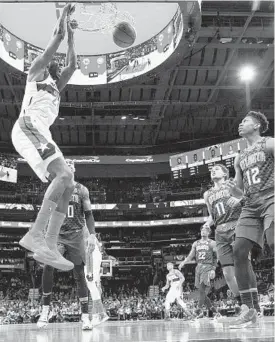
8,174
150,159
206,155
114,206
117,224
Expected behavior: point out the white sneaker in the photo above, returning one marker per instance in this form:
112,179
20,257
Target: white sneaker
86,323
99,319
56,260
31,241
42,253
44,317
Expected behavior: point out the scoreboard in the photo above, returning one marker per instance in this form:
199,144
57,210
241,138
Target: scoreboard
199,162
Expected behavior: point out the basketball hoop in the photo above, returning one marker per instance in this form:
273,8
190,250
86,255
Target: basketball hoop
94,18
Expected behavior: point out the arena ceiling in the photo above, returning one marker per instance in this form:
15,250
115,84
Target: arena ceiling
194,99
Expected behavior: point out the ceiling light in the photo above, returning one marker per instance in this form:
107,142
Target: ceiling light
136,118
123,117
141,119
247,73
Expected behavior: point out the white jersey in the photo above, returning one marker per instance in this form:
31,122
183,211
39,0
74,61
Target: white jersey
174,278
43,97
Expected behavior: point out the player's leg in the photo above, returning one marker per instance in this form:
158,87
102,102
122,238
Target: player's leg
92,272
58,218
268,215
203,296
229,276
249,233
224,243
170,298
34,143
184,306
47,284
243,269
62,185
76,254
269,233
83,295
254,289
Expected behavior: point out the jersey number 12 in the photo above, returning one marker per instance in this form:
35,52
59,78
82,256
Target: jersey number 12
252,176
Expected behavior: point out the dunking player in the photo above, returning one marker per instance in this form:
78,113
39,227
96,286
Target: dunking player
174,280
224,211
71,242
204,251
254,169
32,139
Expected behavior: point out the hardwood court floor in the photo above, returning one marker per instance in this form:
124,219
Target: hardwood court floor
140,331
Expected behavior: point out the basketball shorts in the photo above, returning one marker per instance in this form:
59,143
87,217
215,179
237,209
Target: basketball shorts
33,141
256,216
173,294
71,245
202,274
225,237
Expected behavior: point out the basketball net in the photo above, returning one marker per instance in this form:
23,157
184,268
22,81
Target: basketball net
100,17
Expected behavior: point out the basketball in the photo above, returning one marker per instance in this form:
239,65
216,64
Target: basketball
124,35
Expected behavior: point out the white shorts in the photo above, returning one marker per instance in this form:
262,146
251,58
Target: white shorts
173,294
33,141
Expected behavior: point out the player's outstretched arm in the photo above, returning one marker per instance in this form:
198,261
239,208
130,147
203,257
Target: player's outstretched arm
41,62
209,222
190,256
90,222
71,58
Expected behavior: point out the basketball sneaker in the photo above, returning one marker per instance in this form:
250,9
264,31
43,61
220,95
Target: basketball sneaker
99,319
231,320
247,318
44,317
42,253
86,323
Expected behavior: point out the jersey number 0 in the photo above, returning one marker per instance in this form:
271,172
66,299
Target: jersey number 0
70,211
